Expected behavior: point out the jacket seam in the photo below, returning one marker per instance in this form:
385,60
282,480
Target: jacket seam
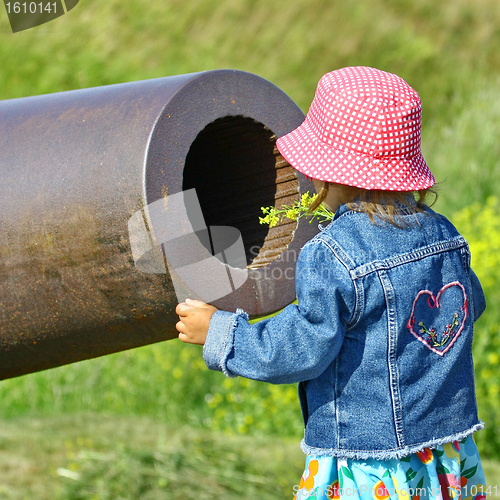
337,250
357,296
365,269
359,303
337,405
465,254
391,356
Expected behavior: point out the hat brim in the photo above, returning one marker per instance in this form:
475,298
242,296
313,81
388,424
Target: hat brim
307,154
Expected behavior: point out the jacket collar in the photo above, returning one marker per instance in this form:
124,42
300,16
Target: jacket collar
341,210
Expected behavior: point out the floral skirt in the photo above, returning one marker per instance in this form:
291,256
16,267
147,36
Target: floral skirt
451,471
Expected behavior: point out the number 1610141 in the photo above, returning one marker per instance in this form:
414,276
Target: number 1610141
30,8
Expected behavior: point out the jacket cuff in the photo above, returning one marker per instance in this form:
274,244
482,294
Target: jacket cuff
220,339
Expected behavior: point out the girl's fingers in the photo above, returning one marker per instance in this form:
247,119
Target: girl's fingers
181,328
181,309
188,304
195,303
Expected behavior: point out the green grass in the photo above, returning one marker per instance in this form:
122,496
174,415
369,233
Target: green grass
89,456
95,457
168,381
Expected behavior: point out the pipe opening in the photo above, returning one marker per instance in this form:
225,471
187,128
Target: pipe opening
236,169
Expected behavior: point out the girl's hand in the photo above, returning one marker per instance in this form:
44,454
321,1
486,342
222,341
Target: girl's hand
194,318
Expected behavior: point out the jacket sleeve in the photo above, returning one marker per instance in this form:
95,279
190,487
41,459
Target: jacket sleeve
479,302
299,343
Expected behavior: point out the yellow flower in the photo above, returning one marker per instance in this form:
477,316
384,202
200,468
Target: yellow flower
403,492
452,450
312,470
380,491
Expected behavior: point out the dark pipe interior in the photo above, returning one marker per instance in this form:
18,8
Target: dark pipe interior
235,168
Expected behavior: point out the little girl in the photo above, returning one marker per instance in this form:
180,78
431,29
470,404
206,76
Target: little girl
380,341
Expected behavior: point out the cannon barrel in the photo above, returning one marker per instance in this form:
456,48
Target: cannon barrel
74,169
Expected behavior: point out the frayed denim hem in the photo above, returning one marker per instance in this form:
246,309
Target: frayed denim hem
220,339
395,453
229,339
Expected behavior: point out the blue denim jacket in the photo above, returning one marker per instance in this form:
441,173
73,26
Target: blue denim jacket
380,340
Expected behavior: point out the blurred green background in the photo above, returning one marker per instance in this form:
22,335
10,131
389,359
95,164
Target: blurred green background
154,422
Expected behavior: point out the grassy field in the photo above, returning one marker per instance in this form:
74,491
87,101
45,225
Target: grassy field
117,423
88,456
94,456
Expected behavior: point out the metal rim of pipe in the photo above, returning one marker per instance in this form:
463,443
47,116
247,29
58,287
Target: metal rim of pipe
76,166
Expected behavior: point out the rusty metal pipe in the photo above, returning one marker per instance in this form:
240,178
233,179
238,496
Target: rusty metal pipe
74,168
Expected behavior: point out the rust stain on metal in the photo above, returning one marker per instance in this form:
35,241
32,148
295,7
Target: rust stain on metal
164,195
75,166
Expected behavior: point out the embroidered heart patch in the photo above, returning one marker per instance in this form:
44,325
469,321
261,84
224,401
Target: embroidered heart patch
438,320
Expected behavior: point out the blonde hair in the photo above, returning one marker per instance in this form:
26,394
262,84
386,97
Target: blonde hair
388,206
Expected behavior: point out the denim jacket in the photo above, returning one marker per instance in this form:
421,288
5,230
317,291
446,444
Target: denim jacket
380,341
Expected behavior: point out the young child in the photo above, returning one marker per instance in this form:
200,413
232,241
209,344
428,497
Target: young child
380,341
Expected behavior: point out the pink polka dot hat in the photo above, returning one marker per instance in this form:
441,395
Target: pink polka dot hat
363,129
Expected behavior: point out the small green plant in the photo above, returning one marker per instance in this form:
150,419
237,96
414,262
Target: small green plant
273,216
